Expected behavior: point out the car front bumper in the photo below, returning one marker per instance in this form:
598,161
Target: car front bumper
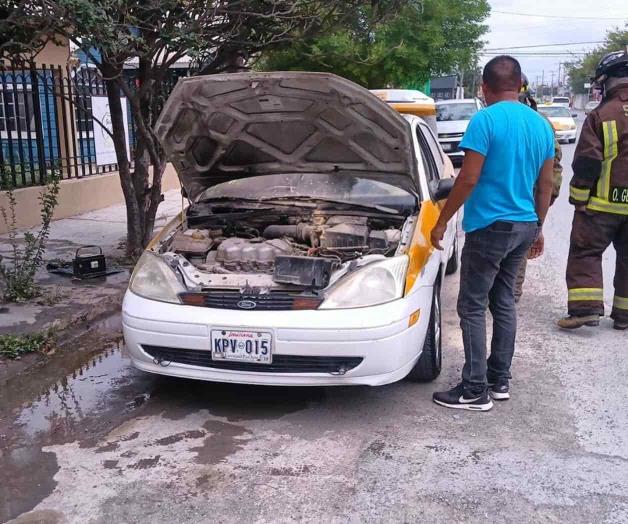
569,134
379,335
451,147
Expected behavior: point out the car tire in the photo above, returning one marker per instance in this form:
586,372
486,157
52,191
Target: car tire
454,259
430,362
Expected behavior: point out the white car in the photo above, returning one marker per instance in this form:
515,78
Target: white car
304,256
562,121
452,119
590,106
561,101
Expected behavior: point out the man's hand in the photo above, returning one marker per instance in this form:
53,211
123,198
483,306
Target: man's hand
438,234
538,246
581,207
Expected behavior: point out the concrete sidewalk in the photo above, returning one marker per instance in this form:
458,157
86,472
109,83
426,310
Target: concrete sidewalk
69,305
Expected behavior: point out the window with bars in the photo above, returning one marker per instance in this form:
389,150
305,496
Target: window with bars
16,111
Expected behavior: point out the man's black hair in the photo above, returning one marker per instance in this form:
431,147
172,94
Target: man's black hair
502,73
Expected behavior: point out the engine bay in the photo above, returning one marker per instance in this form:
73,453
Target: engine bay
280,247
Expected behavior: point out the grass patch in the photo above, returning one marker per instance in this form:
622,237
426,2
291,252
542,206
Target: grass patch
14,346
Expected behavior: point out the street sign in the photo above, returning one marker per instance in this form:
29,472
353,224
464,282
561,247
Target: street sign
587,85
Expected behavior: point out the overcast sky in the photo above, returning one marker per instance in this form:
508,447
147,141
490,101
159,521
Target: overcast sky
509,30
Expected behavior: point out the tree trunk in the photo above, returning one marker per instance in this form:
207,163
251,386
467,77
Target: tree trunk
135,231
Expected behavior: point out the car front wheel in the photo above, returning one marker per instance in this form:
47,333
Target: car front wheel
430,362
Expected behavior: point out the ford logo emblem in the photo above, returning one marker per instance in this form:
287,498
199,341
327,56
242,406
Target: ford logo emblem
246,304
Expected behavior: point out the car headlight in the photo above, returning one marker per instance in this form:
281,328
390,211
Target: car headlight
376,283
154,279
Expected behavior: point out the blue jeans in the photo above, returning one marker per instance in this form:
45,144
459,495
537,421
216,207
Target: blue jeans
491,258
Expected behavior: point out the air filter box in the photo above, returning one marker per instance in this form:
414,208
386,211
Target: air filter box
303,271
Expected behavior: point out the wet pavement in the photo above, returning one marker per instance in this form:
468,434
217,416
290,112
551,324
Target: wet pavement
88,439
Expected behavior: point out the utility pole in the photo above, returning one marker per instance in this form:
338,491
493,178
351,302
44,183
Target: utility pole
543,81
552,85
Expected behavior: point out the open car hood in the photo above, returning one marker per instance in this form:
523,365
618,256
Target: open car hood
218,128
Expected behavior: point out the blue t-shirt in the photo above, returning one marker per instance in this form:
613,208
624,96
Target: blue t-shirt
515,141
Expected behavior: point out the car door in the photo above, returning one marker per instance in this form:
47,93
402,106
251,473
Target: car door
435,163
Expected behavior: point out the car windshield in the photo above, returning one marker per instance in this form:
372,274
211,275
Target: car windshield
561,100
452,112
344,188
555,111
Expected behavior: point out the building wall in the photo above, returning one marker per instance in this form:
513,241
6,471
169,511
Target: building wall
76,196
53,54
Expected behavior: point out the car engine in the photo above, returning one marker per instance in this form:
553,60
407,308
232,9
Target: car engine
299,251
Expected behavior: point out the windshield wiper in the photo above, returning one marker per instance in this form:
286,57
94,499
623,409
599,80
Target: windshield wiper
377,207
218,199
285,200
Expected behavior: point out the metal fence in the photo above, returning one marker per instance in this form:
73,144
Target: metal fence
52,119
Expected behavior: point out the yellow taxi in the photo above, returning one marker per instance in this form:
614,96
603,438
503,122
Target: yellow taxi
410,102
562,121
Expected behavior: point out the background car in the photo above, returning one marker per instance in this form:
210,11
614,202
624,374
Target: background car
561,101
452,119
304,257
562,121
590,106
410,102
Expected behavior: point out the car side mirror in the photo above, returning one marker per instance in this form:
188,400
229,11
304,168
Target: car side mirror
443,188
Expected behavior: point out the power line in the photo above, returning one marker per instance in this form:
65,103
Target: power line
544,45
570,54
513,13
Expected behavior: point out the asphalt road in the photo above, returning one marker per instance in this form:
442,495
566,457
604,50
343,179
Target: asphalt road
106,443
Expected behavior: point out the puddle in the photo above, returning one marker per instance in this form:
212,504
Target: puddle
86,391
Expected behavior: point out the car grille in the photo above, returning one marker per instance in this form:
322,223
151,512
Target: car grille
280,364
450,135
274,301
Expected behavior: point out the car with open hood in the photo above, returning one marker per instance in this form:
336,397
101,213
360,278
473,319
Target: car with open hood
303,257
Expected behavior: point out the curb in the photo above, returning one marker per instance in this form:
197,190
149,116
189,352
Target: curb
68,330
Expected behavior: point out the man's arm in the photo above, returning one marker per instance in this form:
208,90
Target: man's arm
587,163
542,197
463,186
544,187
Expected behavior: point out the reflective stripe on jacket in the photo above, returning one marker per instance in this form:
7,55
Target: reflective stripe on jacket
601,159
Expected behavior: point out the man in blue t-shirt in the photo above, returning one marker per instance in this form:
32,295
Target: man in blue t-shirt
505,185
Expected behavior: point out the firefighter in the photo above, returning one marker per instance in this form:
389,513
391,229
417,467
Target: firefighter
557,177
599,192
524,93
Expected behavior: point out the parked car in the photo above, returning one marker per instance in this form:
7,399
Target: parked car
590,106
452,119
410,102
561,101
562,121
304,256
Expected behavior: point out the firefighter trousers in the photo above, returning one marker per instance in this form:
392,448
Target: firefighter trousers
592,232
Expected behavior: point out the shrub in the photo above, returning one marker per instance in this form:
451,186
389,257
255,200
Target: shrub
17,272
14,346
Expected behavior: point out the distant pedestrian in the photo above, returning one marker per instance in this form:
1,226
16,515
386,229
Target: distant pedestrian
599,192
509,151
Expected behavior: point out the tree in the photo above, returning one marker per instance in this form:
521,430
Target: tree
154,34
581,71
397,48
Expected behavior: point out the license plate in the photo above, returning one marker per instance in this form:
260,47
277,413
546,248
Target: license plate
242,346
447,147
